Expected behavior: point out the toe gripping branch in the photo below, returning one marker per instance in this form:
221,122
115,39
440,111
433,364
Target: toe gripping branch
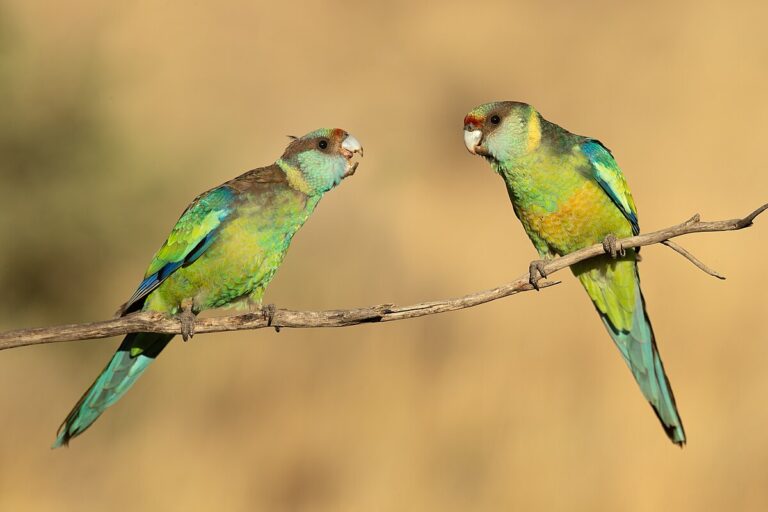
187,320
537,268
536,272
268,312
612,246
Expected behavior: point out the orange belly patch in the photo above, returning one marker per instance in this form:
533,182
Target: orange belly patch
583,218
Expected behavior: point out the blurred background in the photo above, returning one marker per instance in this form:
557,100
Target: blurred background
115,116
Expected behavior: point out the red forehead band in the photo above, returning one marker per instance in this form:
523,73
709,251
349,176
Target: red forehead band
472,120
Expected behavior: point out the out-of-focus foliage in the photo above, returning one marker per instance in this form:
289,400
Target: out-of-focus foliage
113,116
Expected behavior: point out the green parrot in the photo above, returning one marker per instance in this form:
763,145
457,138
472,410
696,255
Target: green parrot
569,193
225,249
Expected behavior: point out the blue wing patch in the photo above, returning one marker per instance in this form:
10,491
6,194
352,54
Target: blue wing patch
213,207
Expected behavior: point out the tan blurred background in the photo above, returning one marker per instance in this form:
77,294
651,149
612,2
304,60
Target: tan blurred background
115,116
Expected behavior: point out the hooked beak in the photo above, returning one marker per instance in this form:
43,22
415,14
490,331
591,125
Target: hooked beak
349,147
473,139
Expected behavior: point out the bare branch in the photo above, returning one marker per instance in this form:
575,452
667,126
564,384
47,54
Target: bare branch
156,322
693,259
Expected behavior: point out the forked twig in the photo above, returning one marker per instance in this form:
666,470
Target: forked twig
284,318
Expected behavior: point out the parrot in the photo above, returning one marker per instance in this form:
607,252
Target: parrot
224,250
569,193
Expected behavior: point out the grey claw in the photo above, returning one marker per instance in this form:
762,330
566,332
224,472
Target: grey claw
268,312
187,320
612,246
536,272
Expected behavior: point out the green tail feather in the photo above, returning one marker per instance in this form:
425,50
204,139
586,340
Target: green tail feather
638,347
128,363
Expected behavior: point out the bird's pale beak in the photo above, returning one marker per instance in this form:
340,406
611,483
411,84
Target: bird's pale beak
472,139
350,146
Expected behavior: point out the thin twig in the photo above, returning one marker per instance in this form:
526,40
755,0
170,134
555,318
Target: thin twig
693,259
156,322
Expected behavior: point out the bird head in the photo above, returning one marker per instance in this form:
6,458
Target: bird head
502,130
319,160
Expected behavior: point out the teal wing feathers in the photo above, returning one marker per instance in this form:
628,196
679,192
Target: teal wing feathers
606,172
194,232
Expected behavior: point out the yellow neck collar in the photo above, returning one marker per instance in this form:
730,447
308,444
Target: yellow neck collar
534,131
295,177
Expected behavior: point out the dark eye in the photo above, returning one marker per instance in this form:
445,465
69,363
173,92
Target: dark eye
322,144
495,119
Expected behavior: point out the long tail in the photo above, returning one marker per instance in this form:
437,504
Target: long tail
614,287
128,363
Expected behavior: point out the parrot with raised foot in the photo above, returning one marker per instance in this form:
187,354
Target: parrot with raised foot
225,249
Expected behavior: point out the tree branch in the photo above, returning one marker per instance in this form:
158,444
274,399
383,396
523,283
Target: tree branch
156,322
693,259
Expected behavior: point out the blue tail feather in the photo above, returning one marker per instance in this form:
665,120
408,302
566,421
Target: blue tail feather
119,375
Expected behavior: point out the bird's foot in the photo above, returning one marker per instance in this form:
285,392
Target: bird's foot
268,312
536,272
350,170
612,246
187,320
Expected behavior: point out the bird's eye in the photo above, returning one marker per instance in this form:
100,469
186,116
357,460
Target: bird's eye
495,119
322,144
